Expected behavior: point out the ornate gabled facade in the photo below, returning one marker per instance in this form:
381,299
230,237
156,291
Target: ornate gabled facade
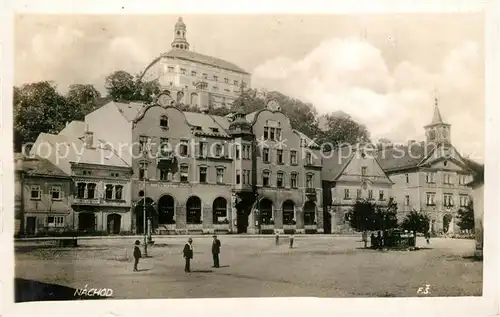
187,74
430,176
203,173
350,174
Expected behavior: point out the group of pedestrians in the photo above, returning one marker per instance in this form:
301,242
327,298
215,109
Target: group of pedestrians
187,253
277,239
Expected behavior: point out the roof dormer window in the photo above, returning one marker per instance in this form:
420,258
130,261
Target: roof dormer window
164,122
215,130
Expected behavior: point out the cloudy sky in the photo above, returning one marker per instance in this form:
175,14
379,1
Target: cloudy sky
384,70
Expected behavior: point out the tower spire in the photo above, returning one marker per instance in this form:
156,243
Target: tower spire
180,41
437,130
436,118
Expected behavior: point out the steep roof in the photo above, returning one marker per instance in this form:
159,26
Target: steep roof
74,128
203,59
41,167
208,124
335,161
128,110
403,156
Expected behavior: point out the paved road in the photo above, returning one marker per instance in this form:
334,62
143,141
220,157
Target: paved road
324,266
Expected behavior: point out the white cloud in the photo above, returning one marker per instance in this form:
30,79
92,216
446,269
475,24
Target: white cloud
351,75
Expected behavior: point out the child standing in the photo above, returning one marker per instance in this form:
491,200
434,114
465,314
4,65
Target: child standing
137,254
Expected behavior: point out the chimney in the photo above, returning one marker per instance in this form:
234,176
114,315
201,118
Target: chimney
88,137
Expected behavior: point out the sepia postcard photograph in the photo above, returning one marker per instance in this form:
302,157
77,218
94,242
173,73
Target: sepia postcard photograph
252,155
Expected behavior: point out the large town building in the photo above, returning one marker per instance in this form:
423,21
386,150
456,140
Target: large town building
430,176
203,173
187,74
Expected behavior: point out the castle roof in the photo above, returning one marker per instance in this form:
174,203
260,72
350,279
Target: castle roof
203,59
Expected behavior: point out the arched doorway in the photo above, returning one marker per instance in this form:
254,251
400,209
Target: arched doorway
87,222
194,99
288,213
446,222
166,210
150,214
114,223
309,213
266,211
219,211
193,210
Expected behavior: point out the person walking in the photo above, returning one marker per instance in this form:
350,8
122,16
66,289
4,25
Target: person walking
291,240
364,237
215,251
427,237
277,238
188,255
137,254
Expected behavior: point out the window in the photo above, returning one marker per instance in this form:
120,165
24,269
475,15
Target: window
280,156
114,174
308,158
363,170
293,157
183,71
429,177
118,192
407,200
163,122
203,149
462,179
238,177
55,221
55,192
80,190
226,80
248,179
143,140
142,173
370,194
35,192
278,134
170,69
184,173
164,174
279,179
464,200
215,88
271,134
265,178
358,193
266,133
293,180
446,179
309,181
203,174
265,155
381,195
220,175
431,199
184,148
448,200
205,76
109,192
91,191
347,194
215,78
407,176
193,73
218,150
237,152
235,82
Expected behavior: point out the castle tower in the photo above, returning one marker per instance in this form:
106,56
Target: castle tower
437,131
180,41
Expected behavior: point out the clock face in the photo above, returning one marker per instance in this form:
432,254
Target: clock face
273,105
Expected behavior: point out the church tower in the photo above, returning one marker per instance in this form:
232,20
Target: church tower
180,41
437,131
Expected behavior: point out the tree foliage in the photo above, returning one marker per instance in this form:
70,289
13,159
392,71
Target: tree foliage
339,128
416,222
122,86
85,96
466,217
365,215
38,107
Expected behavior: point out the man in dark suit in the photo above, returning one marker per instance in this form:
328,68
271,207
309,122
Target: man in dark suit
216,251
188,255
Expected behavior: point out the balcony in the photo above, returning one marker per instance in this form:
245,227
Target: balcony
311,191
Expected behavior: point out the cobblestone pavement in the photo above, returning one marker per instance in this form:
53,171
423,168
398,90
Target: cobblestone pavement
322,266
